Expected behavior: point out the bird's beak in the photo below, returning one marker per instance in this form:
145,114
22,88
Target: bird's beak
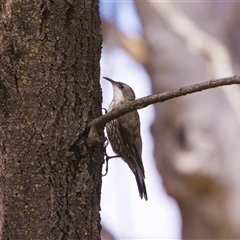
109,79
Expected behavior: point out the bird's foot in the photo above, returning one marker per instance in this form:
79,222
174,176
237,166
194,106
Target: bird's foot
105,110
107,158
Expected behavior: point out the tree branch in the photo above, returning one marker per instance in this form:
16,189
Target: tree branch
215,52
161,97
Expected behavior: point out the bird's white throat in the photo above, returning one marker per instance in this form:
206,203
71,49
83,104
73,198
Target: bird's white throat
117,98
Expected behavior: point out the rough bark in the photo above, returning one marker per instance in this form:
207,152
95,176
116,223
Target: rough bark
49,91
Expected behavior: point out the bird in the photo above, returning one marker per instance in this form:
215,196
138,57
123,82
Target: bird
124,134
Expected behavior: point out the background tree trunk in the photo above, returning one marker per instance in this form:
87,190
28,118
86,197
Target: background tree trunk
49,91
196,137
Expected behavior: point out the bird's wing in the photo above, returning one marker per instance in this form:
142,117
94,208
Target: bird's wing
129,130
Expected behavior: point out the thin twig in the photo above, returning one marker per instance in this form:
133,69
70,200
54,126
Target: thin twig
161,97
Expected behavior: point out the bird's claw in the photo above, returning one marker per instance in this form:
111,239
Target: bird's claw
107,157
106,169
105,110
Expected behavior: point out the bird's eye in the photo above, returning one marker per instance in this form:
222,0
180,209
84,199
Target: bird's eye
121,86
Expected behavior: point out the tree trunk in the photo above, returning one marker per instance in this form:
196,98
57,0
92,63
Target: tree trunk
49,91
197,136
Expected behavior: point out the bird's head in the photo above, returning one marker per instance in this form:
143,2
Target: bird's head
121,91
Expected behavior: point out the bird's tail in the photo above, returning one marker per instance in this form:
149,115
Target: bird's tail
141,185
